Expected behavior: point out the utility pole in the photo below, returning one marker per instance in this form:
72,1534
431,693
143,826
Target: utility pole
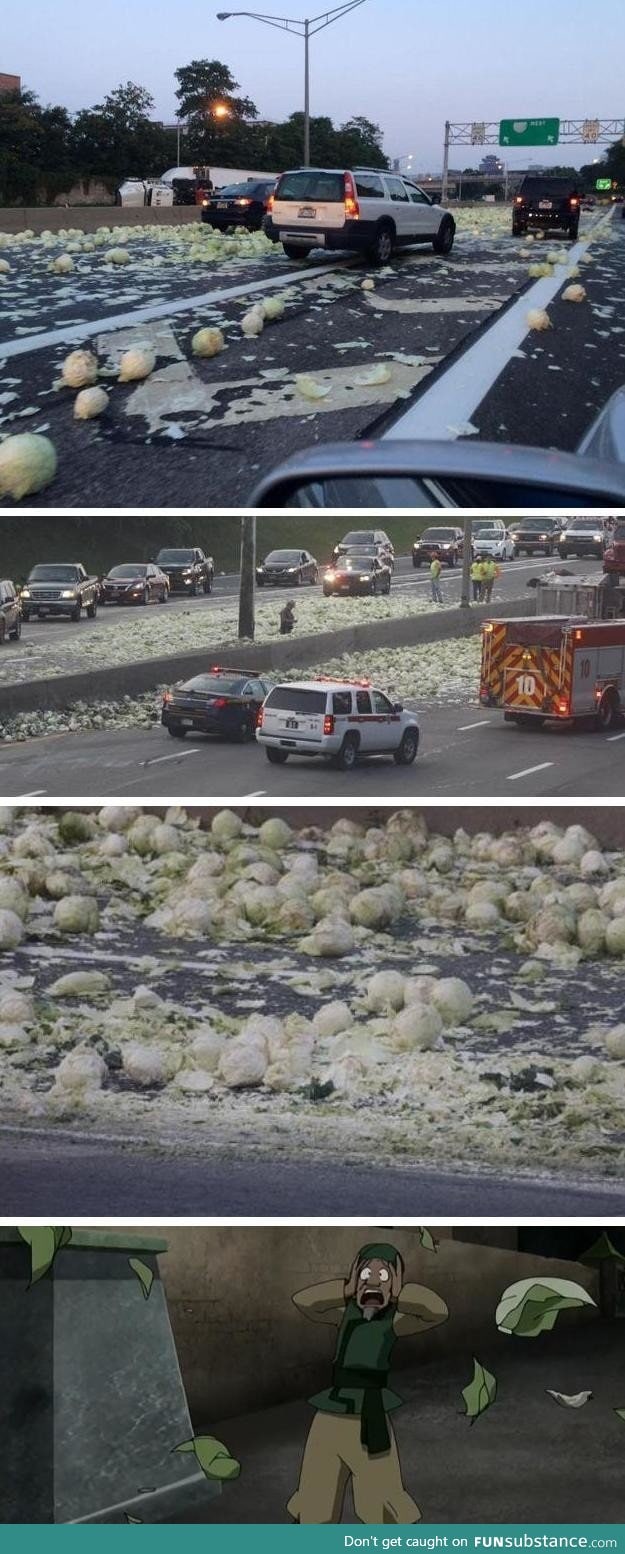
247,586
467,557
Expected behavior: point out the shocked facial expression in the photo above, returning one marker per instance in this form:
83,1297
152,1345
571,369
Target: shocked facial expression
373,1287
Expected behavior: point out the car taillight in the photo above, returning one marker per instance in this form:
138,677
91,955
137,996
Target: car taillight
167,696
328,723
260,717
562,706
219,702
352,208
519,199
574,200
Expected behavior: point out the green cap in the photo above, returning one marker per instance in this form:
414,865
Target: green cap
382,1250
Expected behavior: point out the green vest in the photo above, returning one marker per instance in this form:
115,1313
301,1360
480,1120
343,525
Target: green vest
360,1375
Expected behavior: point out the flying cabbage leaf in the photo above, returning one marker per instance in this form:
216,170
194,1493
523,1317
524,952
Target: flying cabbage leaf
426,1239
44,1242
480,1392
212,1457
532,1306
143,1273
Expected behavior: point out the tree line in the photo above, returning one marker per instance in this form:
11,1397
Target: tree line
46,150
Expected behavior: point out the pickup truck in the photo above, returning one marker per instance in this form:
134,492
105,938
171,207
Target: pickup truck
59,588
188,569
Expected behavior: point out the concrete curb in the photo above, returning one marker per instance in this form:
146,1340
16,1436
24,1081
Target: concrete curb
113,683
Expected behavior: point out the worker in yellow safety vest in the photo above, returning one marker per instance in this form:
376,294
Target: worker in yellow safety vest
490,574
477,578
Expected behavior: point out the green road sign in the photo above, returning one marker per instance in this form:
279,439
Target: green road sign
529,132
603,183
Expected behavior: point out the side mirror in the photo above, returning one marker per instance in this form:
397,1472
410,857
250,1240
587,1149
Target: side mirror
406,473
398,706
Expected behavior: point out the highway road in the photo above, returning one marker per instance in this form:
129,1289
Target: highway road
465,753
199,433
60,631
65,1175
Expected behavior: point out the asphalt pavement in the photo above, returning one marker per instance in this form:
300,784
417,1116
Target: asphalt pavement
463,753
56,1175
201,432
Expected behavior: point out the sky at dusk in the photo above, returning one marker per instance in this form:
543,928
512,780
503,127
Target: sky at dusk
403,63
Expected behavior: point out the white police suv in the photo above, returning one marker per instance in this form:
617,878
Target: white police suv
341,720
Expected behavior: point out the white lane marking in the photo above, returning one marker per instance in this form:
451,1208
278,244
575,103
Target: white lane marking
36,793
50,337
260,794
177,755
454,398
611,739
529,770
462,728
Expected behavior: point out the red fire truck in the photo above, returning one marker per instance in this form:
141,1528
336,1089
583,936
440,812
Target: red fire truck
559,665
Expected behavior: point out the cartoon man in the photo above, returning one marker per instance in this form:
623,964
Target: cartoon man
352,1434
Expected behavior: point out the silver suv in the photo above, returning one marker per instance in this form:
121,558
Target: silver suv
341,720
363,209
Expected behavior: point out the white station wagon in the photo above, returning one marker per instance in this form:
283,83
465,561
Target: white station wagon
340,720
363,209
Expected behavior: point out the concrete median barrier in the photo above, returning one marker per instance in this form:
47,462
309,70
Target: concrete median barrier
87,218
117,681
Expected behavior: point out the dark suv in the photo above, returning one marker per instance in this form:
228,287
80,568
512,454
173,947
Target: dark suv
546,205
374,541
10,611
188,569
446,543
536,534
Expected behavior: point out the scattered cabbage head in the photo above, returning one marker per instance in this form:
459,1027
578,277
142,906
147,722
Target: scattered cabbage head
91,402
77,914
11,929
28,463
80,369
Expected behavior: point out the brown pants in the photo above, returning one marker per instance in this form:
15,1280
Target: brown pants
333,1453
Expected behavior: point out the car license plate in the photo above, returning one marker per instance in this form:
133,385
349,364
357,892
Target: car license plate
222,204
545,205
187,722
291,723
307,213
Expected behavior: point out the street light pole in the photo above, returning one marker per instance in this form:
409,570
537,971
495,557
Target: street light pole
304,27
445,178
306,94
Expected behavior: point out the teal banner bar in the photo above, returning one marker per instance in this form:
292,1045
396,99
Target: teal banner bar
343,1539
